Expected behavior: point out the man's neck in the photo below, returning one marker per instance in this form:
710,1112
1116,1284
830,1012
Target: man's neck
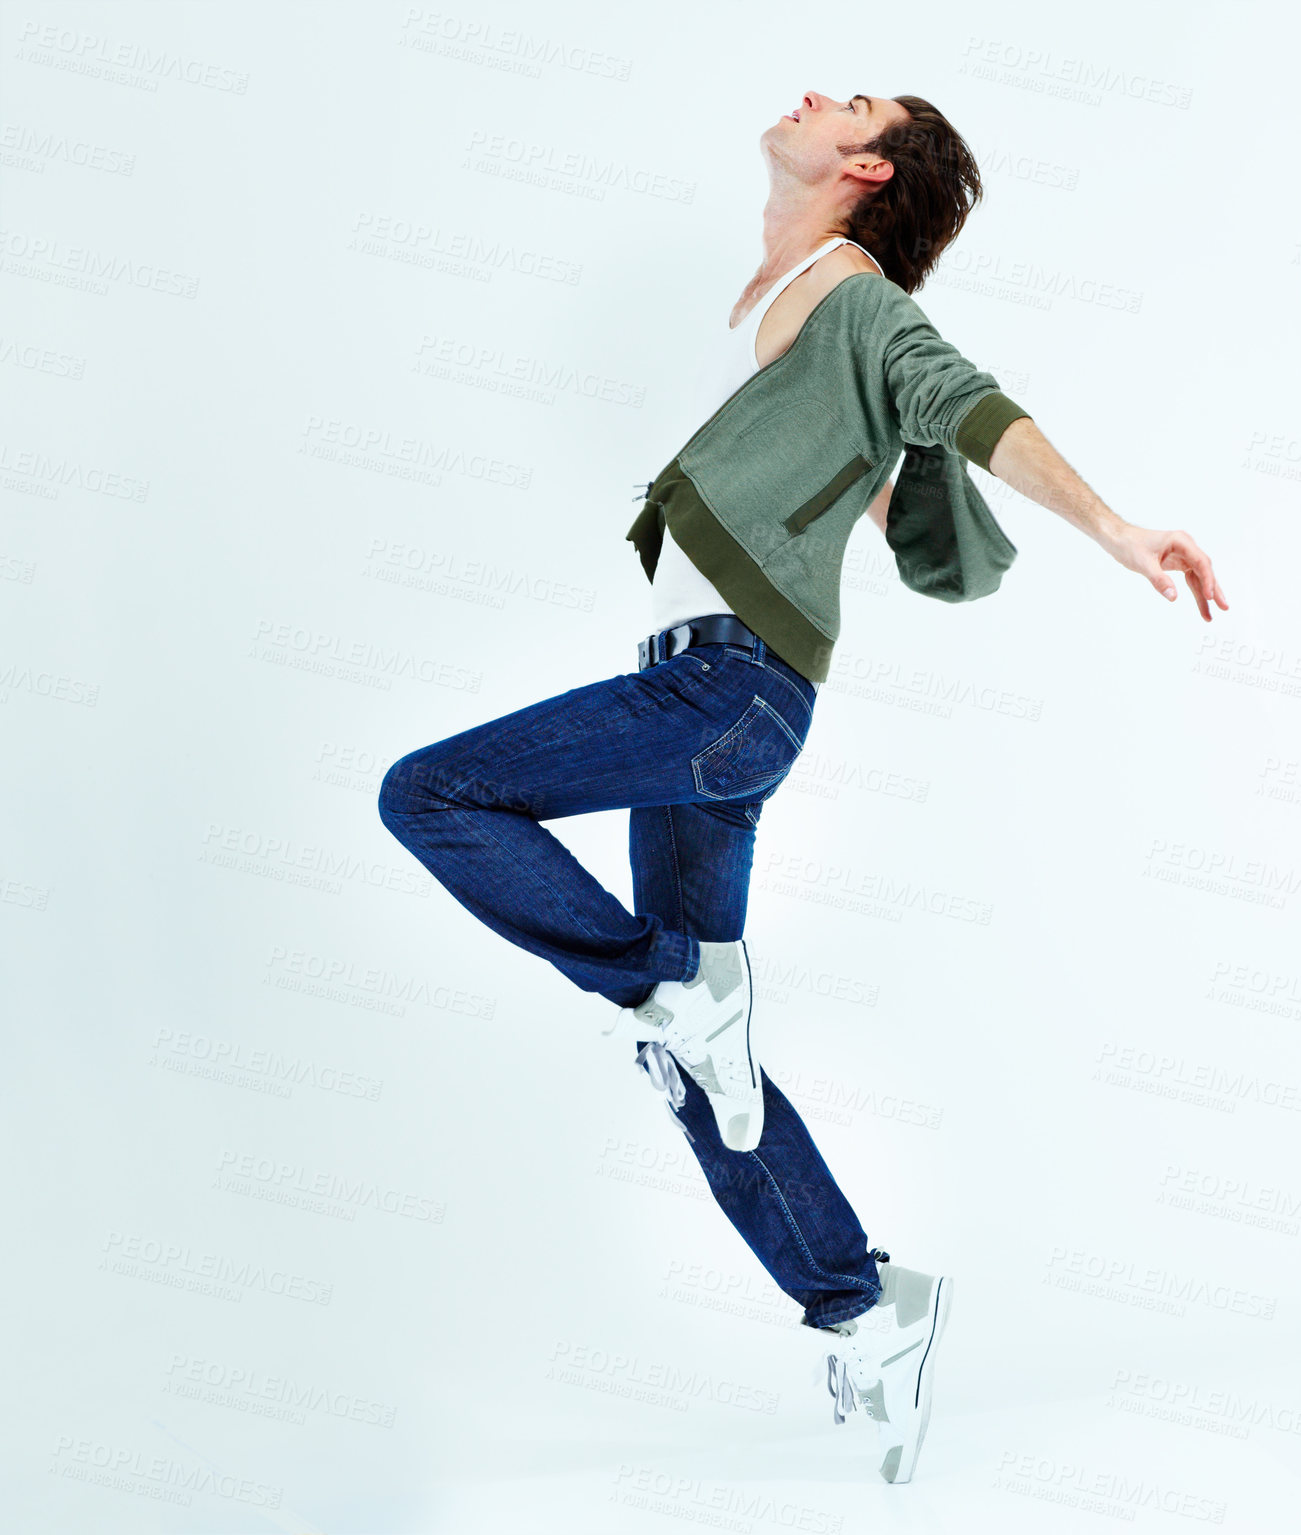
792,229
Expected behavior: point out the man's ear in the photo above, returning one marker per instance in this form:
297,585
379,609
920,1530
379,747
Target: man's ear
869,171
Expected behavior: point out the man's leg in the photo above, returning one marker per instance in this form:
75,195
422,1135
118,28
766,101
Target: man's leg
691,865
469,809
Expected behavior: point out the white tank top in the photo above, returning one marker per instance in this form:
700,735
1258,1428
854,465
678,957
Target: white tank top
679,591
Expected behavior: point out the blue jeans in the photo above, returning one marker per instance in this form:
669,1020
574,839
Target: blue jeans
693,747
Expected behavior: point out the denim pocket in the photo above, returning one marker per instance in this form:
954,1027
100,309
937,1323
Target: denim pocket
754,755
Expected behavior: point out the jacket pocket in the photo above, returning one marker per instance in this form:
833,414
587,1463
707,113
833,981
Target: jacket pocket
831,492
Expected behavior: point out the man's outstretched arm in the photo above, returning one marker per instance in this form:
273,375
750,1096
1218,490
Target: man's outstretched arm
1024,459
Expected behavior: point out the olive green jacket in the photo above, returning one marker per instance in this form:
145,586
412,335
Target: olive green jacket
763,497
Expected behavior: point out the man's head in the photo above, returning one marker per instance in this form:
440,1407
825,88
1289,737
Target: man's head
895,174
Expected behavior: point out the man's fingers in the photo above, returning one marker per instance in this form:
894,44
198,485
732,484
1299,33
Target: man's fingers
1156,554
1208,588
1163,583
1185,553
1205,583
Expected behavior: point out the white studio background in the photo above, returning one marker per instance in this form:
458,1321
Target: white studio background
331,1211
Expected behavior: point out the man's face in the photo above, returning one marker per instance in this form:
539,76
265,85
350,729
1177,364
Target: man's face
805,141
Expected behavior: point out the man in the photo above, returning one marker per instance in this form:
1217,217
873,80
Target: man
742,536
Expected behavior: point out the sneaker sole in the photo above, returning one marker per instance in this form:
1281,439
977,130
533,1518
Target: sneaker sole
901,1459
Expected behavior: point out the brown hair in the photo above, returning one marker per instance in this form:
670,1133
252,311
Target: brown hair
907,222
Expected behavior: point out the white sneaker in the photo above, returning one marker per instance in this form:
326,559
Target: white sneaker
884,1360
704,1025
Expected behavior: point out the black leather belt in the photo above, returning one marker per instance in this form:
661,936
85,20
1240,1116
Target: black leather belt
712,629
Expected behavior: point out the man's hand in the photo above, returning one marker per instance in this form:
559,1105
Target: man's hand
1024,459
1151,554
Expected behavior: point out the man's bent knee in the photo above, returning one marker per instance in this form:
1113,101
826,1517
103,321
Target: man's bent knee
427,780
398,793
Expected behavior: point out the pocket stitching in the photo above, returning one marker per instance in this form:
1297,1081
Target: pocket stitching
800,698
757,704
770,672
699,660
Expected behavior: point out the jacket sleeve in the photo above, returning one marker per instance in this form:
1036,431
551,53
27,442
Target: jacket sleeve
940,398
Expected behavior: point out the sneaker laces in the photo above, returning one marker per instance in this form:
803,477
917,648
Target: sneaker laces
664,1076
840,1383
841,1386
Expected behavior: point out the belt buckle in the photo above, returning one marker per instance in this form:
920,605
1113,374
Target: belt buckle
644,648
